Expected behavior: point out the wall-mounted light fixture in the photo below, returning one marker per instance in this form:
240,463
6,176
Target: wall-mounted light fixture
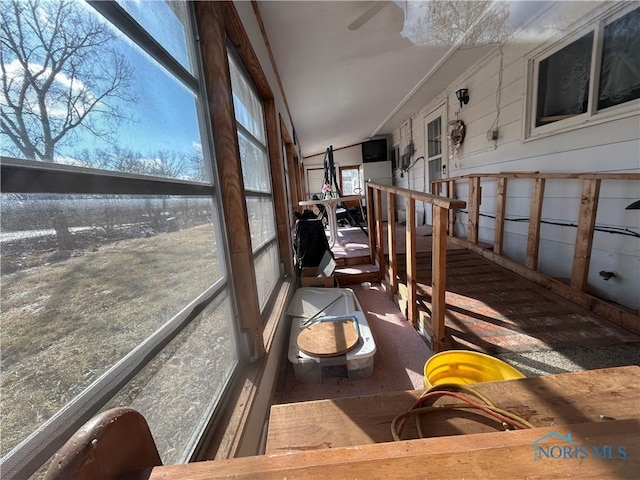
463,96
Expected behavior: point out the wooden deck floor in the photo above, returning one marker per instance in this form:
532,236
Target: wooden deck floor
493,310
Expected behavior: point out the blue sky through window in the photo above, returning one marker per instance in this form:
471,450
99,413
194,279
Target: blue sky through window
161,112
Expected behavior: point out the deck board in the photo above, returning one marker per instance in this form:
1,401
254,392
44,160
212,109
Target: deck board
493,310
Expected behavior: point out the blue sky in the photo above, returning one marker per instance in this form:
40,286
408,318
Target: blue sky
165,113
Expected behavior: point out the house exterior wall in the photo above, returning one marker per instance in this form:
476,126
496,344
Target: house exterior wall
499,92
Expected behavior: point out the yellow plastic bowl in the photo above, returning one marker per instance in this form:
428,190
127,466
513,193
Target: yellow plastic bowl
461,366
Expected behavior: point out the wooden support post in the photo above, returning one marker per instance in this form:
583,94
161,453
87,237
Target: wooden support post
535,215
380,234
278,187
473,207
438,278
584,235
412,268
501,204
218,84
435,188
391,236
371,225
451,193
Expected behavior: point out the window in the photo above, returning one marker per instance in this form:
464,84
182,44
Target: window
256,174
350,181
597,71
114,285
433,135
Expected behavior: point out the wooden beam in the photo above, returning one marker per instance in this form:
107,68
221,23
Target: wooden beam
535,215
371,224
421,197
473,209
501,206
584,235
242,46
218,85
451,193
391,237
624,318
412,267
278,188
380,233
557,176
439,278
495,455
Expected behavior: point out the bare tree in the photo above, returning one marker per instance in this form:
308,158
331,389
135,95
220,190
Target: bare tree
59,73
447,22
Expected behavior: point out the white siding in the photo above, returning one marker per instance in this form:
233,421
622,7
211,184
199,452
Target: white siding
608,146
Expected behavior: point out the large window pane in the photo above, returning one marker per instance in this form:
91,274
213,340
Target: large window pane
176,391
563,82
85,279
110,106
620,74
350,181
167,22
247,105
262,224
434,138
255,165
267,265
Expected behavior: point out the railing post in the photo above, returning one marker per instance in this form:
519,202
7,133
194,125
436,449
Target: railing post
535,215
380,234
501,202
371,224
451,193
473,207
584,235
438,278
412,269
391,235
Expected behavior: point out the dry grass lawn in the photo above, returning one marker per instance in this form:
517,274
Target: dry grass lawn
65,324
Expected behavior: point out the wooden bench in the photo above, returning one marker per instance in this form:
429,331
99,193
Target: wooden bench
498,455
546,401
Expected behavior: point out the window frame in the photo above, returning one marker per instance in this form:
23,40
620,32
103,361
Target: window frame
258,250
27,176
356,168
595,22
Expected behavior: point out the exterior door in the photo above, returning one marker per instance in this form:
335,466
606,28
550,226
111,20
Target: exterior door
435,128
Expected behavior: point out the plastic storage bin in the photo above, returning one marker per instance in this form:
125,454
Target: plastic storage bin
356,363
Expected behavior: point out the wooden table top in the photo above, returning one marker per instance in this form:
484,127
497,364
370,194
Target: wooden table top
545,401
498,455
558,404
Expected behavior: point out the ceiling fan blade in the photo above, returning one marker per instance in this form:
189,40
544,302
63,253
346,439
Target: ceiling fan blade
366,16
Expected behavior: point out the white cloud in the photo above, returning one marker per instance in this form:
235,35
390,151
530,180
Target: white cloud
68,161
56,107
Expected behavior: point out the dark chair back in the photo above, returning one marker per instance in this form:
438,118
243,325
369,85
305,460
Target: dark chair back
113,445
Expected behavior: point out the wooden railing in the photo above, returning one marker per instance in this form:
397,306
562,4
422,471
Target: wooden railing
441,208
574,289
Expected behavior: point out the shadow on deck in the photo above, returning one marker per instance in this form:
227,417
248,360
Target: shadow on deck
493,310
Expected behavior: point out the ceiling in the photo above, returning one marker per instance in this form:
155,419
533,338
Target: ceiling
344,86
